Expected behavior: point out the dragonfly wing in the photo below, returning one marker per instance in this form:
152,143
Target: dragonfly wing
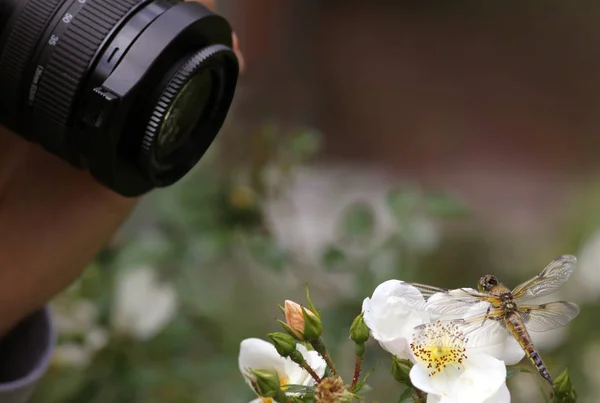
478,331
429,290
542,318
548,280
459,303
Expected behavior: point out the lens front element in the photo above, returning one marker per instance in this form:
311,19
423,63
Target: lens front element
184,114
187,115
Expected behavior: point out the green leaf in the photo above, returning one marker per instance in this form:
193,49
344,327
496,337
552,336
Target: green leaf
334,258
401,202
306,144
311,306
401,370
305,391
564,391
266,251
358,222
406,396
445,206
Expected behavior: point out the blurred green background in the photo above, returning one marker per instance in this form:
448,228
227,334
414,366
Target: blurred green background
426,143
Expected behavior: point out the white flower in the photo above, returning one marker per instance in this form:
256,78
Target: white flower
448,372
314,200
258,354
71,355
143,305
391,315
448,366
96,339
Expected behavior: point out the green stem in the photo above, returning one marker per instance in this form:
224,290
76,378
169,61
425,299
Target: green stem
320,348
310,371
298,358
357,366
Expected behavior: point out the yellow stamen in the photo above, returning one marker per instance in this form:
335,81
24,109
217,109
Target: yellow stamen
439,345
283,381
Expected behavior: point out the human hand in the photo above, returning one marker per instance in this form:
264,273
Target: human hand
53,221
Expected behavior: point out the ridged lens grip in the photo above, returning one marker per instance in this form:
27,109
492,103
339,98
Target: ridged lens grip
66,69
19,49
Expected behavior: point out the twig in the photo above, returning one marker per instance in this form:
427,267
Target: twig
311,372
357,366
320,348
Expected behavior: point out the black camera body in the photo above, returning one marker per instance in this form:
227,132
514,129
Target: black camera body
135,91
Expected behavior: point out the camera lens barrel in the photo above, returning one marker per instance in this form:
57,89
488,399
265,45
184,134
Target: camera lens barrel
133,90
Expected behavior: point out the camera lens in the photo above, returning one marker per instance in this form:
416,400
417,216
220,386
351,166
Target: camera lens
133,90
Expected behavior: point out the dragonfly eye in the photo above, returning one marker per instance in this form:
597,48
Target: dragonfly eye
486,283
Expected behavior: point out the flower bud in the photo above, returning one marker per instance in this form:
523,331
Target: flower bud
564,389
401,370
302,323
333,390
359,332
266,383
284,343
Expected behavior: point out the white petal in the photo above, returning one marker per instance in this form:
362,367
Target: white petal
143,305
316,362
97,339
71,355
391,314
502,396
259,354
419,376
297,375
508,350
482,378
160,309
431,398
479,379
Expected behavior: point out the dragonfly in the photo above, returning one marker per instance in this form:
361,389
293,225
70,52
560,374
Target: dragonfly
496,312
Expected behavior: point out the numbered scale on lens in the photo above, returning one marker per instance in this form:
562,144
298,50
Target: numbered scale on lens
69,13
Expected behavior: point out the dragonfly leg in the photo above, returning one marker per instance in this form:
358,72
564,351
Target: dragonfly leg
487,314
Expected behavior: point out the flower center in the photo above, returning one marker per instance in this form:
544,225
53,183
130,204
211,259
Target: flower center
283,381
438,345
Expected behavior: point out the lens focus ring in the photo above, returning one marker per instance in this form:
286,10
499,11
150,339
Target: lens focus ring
20,46
70,60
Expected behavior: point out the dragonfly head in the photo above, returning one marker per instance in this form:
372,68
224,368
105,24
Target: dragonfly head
487,282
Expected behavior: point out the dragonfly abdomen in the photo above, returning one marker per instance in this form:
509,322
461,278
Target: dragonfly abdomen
516,326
